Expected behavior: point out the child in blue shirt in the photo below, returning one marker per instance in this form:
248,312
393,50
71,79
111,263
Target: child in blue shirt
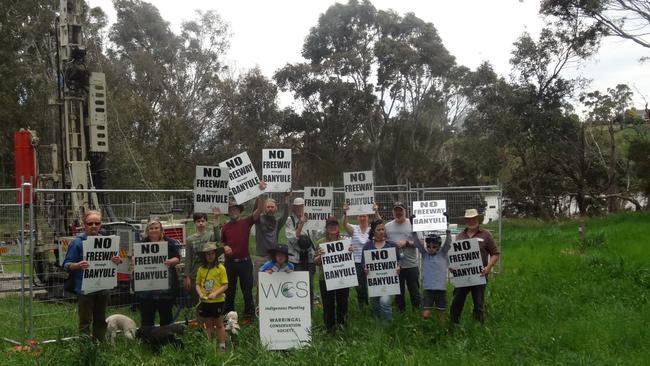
279,261
435,264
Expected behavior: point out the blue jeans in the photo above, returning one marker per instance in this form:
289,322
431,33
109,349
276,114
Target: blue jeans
381,307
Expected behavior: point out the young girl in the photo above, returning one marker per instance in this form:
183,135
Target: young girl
211,284
435,264
279,261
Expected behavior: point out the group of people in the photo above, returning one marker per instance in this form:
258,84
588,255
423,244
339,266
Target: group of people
213,285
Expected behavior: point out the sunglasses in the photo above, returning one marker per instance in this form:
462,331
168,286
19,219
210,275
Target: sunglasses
93,223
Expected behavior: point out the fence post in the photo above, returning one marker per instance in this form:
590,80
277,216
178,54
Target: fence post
23,185
31,258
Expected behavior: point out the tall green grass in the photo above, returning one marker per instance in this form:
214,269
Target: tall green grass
553,302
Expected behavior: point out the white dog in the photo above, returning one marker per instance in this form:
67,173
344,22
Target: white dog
123,323
232,322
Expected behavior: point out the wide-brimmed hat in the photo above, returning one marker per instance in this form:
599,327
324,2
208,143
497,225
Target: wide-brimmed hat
471,213
280,249
209,247
298,201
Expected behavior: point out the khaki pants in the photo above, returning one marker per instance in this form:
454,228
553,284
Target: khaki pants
92,309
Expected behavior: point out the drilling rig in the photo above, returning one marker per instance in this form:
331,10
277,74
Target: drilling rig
76,158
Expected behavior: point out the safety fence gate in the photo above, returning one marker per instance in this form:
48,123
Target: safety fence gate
14,234
34,238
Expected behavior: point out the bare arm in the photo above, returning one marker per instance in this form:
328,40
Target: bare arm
259,208
348,228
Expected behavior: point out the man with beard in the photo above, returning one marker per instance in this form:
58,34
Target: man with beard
267,226
400,231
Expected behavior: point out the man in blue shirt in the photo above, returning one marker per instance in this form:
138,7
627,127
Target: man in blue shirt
91,307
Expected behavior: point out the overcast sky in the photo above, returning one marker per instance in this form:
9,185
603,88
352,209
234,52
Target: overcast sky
270,34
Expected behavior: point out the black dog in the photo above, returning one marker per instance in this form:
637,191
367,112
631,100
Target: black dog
156,337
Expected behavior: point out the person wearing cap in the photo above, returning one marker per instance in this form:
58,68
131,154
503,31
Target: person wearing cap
359,237
279,261
235,235
300,241
194,246
489,256
267,227
211,285
161,301
435,265
335,302
400,231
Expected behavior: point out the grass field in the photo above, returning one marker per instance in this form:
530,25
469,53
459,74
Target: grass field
555,301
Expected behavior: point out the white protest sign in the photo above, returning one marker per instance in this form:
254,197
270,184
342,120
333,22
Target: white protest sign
101,273
211,189
359,190
465,263
429,215
276,169
150,272
285,312
382,272
338,265
243,178
318,206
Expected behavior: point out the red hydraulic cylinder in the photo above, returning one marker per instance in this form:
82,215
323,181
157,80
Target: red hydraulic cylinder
25,159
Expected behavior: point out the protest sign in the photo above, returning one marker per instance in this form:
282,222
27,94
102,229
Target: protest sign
465,263
429,215
359,190
338,265
101,273
382,272
150,272
318,206
211,189
285,309
243,178
276,169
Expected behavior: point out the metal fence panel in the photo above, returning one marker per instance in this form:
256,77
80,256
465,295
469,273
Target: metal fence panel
12,264
56,223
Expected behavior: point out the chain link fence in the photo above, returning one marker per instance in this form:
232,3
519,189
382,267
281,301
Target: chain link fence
56,223
13,263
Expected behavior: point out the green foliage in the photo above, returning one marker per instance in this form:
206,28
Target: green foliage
547,305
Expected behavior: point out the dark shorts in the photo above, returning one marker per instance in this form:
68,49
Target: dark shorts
434,297
211,309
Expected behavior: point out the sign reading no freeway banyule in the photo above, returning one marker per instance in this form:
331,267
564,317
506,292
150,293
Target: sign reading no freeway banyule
211,189
276,169
429,215
359,190
101,273
318,206
285,310
150,272
382,272
243,178
338,265
465,263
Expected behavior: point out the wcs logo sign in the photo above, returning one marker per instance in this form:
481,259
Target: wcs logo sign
288,289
